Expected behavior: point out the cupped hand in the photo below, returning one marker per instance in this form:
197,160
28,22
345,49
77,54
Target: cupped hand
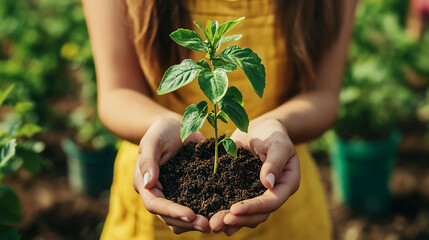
159,144
280,174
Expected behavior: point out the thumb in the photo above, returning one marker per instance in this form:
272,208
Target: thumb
277,156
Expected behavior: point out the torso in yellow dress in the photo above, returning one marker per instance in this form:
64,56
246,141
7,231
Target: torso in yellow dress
305,214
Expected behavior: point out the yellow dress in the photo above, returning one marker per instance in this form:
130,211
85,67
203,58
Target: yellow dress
305,214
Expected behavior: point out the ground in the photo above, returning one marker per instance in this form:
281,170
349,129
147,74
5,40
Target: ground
51,210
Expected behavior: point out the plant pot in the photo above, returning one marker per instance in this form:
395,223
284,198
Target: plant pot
361,172
89,172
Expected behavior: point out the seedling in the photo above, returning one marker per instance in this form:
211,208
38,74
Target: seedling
212,76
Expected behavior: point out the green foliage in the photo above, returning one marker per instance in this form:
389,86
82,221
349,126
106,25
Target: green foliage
376,95
230,146
10,208
213,79
178,76
189,39
39,39
214,84
193,119
46,53
250,63
8,232
15,151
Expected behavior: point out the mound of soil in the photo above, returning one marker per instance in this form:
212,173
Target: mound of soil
188,178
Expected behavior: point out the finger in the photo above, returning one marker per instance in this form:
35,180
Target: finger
148,161
178,230
216,221
154,201
229,231
200,223
272,199
196,137
279,152
251,221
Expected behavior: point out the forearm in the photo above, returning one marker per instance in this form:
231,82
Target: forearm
129,113
307,115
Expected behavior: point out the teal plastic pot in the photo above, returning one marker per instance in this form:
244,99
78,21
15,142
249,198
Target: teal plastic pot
361,173
89,172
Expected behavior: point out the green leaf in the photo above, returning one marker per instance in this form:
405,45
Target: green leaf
178,76
193,119
7,152
250,63
219,63
32,161
8,162
215,25
210,118
190,39
224,28
203,63
5,93
236,112
222,116
28,130
230,146
8,232
201,28
226,39
10,207
209,31
235,94
213,84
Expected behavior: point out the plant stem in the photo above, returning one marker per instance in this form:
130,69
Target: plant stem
216,139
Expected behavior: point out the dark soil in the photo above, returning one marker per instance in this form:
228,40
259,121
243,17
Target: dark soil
188,178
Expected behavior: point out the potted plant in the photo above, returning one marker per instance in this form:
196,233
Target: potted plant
91,151
375,98
16,151
89,146
212,167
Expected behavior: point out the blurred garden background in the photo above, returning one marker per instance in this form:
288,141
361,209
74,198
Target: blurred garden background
56,158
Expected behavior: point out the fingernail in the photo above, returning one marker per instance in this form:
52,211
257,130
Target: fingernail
271,179
146,178
185,219
198,228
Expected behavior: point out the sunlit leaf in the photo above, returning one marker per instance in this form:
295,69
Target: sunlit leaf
28,130
193,119
178,76
203,63
190,39
224,28
222,116
213,84
5,93
234,94
235,112
219,63
250,63
7,152
230,146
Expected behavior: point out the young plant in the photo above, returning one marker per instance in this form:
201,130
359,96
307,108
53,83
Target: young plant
213,80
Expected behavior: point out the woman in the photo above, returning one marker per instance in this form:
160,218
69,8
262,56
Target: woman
303,45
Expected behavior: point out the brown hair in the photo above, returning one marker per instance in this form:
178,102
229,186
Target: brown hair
311,27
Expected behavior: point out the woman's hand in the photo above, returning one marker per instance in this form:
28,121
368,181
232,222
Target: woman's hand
280,174
159,144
